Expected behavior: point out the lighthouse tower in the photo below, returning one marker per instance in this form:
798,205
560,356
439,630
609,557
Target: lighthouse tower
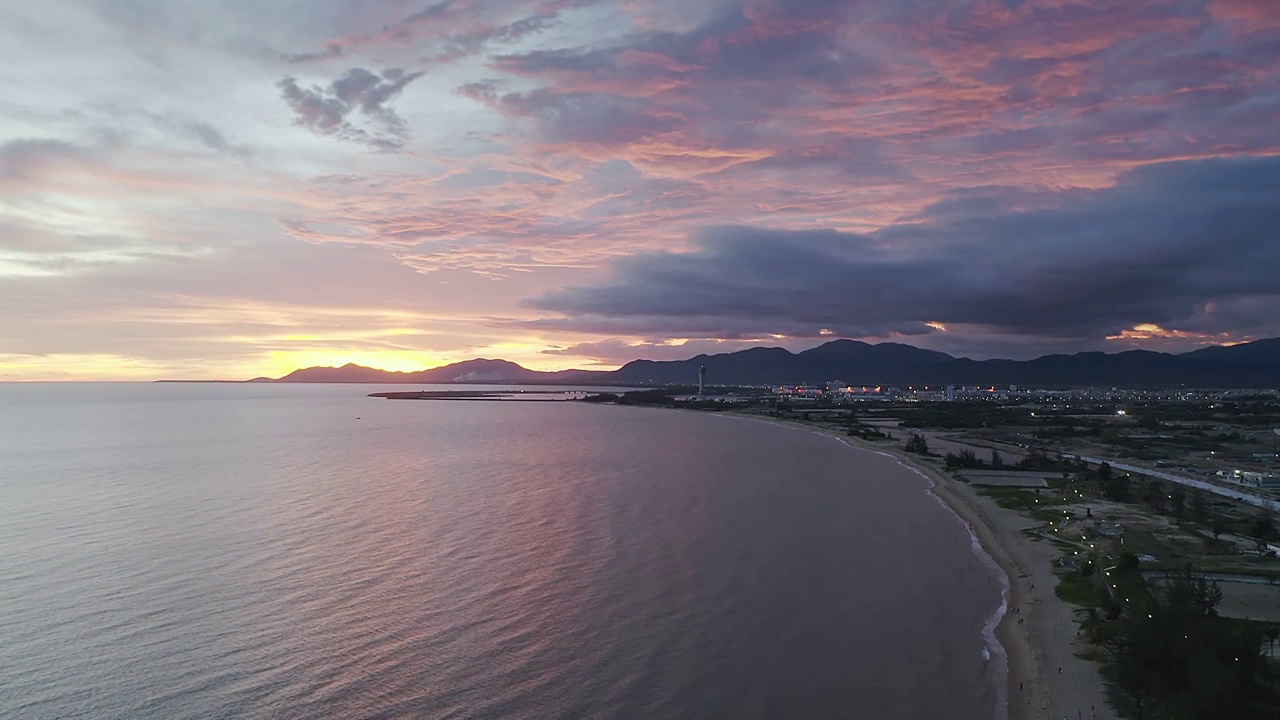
702,377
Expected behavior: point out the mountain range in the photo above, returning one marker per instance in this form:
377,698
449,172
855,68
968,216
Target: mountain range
1255,364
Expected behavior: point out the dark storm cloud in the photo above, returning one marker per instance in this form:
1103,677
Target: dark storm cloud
1168,244
327,110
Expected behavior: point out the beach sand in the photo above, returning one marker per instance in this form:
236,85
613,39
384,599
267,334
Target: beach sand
1047,677
1044,648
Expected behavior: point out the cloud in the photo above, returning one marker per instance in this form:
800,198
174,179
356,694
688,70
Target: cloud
1169,245
327,110
444,32
330,52
214,139
879,94
23,159
619,352
782,113
973,163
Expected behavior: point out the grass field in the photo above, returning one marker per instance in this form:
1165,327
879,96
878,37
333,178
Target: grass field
1078,589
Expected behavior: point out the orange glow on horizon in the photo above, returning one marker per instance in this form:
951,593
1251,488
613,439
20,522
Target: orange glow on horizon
1152,331
285,362
106,367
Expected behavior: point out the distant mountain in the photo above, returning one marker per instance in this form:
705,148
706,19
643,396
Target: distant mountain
1257,355
1255,364
479,371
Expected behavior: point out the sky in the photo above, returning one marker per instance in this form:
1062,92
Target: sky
228,190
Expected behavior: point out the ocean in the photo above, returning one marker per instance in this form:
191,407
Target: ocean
303,551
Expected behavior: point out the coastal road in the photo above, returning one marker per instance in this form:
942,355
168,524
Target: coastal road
1244,497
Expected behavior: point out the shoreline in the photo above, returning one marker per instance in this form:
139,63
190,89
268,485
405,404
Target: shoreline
1034,625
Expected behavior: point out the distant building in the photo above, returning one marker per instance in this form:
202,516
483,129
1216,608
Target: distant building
1254,479
951,393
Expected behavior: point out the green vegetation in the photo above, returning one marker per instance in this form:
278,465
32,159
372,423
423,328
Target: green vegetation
854,428
1037,460
1177,660
1079,588
917,444
1264,527
1012,498
1143,542
963,459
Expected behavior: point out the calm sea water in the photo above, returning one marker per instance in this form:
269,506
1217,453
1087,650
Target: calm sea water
220,551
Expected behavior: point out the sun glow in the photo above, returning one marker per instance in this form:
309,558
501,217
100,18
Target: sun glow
1148,331
286,361
68,366
1152,331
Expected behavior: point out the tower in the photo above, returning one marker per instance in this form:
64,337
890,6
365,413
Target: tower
702,377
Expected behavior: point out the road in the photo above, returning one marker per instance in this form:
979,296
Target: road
1244,497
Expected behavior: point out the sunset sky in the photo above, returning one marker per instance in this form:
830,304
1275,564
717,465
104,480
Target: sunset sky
232,189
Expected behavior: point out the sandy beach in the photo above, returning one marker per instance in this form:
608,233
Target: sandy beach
1047,677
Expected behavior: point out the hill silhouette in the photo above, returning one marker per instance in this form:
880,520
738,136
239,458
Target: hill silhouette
1255,364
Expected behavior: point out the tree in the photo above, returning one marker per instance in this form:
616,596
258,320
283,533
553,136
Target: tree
1217,526
996,460
1153,495
1037,460
1199,508
1116,487
1264,527
917,444
963,459
1177,660
1177,502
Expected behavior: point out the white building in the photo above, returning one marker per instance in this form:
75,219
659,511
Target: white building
1249,478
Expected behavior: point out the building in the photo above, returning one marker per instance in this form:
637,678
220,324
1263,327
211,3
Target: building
951,393
1249,478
